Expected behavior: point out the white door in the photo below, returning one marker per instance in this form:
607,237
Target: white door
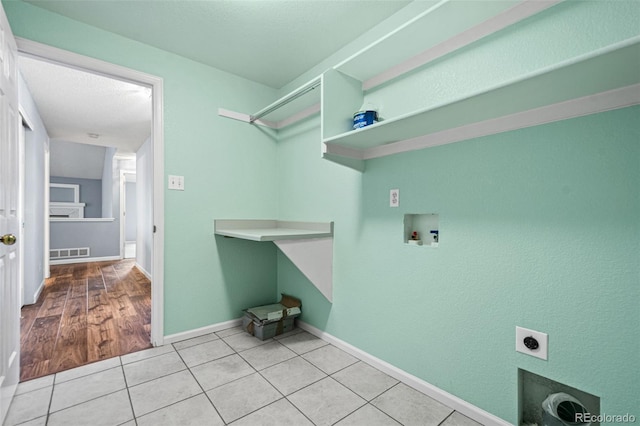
9,286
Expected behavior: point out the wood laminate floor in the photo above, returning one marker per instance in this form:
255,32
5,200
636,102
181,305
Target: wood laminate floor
87,312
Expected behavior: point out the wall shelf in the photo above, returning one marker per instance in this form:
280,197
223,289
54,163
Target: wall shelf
599,81
272,230
593,79
309,245
432,34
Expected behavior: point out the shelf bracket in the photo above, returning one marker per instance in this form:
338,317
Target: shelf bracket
314,258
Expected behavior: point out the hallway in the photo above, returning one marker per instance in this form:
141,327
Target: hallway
87,312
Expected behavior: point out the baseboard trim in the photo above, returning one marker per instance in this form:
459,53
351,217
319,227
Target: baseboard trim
36,295
434,392
144,271
84,260
197,332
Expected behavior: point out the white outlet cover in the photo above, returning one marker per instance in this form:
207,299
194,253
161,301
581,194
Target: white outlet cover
542,338
394,198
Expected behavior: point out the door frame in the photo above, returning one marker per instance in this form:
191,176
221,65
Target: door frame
96,66
123,209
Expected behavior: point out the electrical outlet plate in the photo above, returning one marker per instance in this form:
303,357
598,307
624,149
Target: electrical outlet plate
542,338
394,198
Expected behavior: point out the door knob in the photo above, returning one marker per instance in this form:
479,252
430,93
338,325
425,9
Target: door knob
8,239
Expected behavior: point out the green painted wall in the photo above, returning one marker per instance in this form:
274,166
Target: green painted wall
538,228
228,169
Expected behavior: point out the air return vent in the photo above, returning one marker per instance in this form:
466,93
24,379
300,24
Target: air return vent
66,253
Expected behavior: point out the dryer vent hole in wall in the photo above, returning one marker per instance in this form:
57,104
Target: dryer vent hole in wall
69,252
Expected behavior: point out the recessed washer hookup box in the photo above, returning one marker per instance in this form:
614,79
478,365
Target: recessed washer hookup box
265,322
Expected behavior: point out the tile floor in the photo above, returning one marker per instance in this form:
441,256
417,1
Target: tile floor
228,377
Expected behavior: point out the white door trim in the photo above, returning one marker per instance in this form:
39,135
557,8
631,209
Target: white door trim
122,212
64,57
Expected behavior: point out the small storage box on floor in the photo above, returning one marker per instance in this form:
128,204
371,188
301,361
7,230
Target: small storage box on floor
265,322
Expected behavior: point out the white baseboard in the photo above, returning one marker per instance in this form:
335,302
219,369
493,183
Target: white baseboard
144,271
172,338
434,392
36,295
84,260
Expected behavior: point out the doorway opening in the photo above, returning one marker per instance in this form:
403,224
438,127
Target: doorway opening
118,268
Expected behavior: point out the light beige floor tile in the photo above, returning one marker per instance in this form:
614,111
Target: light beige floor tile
221,371
195,411
292,375
205,352
195,341
230,331
35,384
302,342
85,388
280,413
152,368
87,370
325,402
109,410
410,407
365,380
329,359
159,393
147,353
243,341
457,419
28,406
243,396
369,416
267,355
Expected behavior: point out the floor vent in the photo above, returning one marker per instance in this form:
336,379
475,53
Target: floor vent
69,252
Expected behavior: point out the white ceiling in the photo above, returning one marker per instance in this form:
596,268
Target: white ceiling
75,104
268,41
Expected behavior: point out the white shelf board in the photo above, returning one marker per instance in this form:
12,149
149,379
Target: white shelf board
437,25
272,230
309,245
610,68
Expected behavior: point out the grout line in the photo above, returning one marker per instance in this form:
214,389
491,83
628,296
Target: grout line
199,385
445,419
126,385
254,371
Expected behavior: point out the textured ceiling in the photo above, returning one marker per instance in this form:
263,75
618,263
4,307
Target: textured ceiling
268,41
74,104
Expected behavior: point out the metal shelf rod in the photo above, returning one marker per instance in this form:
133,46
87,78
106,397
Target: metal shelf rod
302,90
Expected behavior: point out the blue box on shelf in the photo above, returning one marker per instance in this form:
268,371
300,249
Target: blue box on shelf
364,118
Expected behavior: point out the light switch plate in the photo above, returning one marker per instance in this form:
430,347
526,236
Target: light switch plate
176,182
394,198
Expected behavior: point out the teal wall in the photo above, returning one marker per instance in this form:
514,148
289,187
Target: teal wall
227,165
539,227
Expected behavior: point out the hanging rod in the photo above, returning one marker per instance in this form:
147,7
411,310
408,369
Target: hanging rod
302,90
